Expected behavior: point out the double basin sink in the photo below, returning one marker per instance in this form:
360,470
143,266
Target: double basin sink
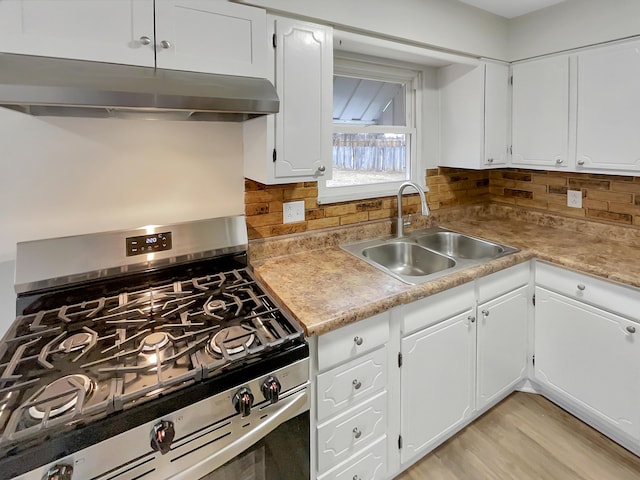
426,254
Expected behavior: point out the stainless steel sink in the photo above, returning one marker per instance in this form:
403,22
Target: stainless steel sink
407,259
426,254
458,245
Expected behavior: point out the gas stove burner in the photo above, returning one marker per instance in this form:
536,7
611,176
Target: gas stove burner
235,339
155,340
77,341
63,393
215,305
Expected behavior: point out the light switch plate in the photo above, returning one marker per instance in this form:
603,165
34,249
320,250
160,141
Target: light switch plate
293,212
574,198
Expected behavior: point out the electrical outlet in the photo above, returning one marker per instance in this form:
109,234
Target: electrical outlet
293,212
574,198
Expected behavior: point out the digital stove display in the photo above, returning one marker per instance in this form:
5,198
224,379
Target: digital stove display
155,242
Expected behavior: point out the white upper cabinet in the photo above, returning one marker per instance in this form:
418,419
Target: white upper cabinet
100,30
213,36
295,144
608,123
540,113
474,106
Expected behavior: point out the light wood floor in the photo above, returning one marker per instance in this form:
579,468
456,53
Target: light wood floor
526,437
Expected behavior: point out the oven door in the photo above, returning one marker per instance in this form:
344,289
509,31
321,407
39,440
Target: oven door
282,454
272,447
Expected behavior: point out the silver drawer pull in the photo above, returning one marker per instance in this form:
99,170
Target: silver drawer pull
356,384
357,433
485,313
358,340
471,318
581,287
631,329
356,477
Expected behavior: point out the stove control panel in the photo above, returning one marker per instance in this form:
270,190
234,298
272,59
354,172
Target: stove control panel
154,242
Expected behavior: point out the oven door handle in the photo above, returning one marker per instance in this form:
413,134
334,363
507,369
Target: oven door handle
290,407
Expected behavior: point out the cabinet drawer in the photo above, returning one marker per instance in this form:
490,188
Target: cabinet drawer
609,296
371,464
353,340
431,310
348,384
348,433
504,281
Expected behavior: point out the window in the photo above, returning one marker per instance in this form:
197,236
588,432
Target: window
375,145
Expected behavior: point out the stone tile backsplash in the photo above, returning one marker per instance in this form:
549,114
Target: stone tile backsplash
609,198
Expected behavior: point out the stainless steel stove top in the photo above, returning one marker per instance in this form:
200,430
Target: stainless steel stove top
106,346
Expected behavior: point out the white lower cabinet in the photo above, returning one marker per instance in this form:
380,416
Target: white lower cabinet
437,377
502,346
351,405
371,464
590,358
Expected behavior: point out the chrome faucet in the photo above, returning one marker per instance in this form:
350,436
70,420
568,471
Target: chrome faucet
425,207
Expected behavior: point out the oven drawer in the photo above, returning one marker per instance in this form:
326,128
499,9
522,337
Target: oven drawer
353,430
352,340
348,384
371,464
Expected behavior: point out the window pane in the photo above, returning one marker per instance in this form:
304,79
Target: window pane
365,158
359,101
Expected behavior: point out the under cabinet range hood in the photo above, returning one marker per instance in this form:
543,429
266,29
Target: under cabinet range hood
62,87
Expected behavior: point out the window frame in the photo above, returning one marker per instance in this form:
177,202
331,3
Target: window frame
383,70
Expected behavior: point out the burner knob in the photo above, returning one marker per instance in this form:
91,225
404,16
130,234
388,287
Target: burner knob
59,472
271,389
162,435
243,401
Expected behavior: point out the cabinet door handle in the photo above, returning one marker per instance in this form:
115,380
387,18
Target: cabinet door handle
356,477
580,162
471,318
489,160
581,287
165,44
322,168
485,313
559,161
356,432
631,329
356,384
144,40
358,340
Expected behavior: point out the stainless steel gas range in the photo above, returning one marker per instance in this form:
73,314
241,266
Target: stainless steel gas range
151,354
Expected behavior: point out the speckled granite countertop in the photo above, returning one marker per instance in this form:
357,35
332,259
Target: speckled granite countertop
325,287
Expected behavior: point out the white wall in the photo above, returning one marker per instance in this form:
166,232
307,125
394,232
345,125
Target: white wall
446,24
67,176
571,24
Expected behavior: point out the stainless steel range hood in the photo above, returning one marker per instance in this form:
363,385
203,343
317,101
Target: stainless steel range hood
61,87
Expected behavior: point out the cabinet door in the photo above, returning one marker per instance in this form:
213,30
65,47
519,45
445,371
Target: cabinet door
496,118
100,30
461,89
437,382
590,357
213,36
608,105
540,113
304,81
502,346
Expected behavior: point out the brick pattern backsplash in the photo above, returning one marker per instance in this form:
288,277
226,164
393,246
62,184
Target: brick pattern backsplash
263,203
608,198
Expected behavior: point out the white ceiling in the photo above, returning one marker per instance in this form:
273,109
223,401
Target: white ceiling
511,8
